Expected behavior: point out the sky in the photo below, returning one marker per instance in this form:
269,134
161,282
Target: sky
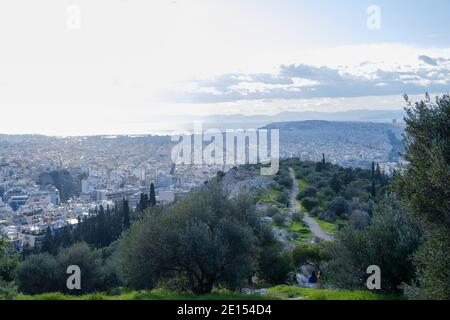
84,67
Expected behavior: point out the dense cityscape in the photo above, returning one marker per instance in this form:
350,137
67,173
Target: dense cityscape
52,182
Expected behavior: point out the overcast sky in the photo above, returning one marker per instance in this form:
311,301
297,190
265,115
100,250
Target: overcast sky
115,66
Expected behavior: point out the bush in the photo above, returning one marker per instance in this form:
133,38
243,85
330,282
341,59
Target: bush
45,273
310,203
388,242
359,219
206,238
308,192
90,264
311,255
7,290
283,198
327,216
297,217
279,218
272,212
275,265
38,274
8,262
339,206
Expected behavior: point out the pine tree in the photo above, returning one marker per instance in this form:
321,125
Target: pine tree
152,195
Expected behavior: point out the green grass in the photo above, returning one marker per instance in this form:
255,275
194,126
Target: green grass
326,226
157,294
301,229
277,293
270,196
302,184
287,292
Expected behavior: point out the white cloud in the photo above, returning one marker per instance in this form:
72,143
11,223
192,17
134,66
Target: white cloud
399,69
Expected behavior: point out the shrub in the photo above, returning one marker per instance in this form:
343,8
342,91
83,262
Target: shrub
388,242
8,261
359,219
206,238
283,198
272,212
339,206
38,274
7,290
297,217
275,265
308,192
310,203
279,218
327,216
90,264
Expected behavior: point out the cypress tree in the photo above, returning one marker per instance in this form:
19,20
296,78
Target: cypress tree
373,191
126,214
152,195
47,244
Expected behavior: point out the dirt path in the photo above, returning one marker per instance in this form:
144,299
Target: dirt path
310,222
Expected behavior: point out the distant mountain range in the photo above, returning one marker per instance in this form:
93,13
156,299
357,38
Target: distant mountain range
257,121
354,115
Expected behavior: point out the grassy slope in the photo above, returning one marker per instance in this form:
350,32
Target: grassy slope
276,293
287,292
157,294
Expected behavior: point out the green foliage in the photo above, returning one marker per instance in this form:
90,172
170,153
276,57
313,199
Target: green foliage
7,290
309,203
38,274
432,261
46,273
308,192
271,212
8,261
389,242
297,217
100,229
311,255
152,195
205,238
279,218
81,255
63,181
287,292
424,188
339,206
275,265
283,198
359,219
283,178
